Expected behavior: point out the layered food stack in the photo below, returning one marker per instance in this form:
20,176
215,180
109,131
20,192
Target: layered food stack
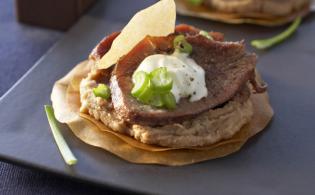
156,93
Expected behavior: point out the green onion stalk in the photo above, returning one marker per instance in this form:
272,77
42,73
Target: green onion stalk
267,43
195,2
64,149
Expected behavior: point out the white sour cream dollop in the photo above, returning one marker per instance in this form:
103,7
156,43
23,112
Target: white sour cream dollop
188,76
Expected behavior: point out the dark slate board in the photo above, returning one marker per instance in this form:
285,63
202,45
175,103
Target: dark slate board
281,160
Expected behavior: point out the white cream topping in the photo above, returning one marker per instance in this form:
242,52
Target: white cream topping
188,76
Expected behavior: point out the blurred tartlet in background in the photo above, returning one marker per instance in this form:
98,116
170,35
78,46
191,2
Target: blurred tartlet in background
262,12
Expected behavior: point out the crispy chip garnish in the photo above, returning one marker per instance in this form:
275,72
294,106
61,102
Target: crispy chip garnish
156,20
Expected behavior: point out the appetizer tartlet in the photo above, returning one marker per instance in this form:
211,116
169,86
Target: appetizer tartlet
157,93
261,12
228,76
256,8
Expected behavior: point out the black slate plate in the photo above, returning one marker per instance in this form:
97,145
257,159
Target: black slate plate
281,160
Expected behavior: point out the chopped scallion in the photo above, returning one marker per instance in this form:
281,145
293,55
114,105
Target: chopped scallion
195,2
102,91
154,88
205,34
181,44
141,80
161,80
169,100
156,100
146,95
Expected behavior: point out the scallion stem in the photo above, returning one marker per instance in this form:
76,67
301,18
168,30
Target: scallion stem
267,43
60,141
195,2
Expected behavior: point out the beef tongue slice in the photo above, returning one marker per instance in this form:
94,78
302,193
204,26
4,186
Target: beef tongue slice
227,66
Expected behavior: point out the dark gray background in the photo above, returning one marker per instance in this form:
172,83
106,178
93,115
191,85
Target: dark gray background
278,161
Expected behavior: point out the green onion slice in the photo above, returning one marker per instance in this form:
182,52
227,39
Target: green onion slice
267,43
156,100
142,88
195,2
205,34
169,100
161,80
102,91
60,141
181,45
154,88
146,95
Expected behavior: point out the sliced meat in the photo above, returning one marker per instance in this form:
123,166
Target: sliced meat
228,68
